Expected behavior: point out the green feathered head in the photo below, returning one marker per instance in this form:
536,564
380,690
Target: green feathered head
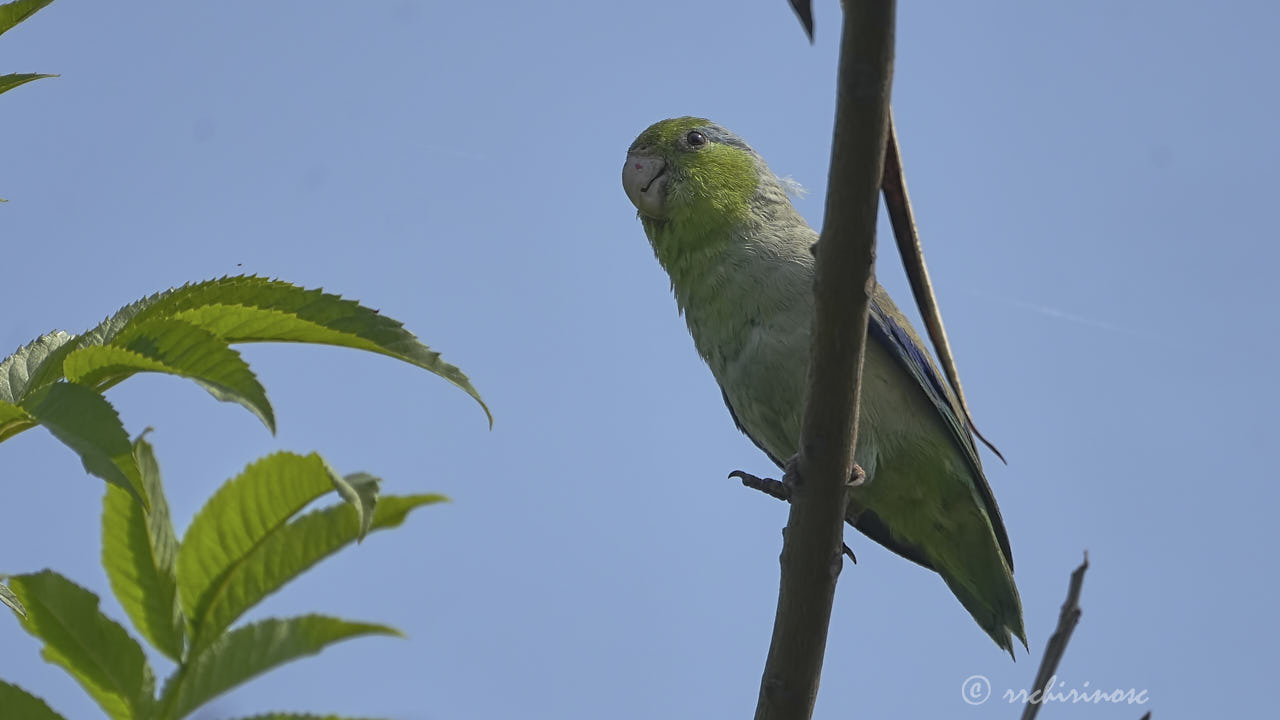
690,170
700,189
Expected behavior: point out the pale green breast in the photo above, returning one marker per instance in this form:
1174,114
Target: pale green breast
750,316
748,313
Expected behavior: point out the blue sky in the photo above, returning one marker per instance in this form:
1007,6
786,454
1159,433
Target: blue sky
1091,181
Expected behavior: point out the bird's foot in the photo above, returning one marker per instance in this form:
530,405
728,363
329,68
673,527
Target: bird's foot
768,486
858,478
781,490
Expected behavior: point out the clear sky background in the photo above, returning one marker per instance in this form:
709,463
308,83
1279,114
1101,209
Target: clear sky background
1093,183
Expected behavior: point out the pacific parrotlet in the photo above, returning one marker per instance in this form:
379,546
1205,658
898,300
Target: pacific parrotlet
741,266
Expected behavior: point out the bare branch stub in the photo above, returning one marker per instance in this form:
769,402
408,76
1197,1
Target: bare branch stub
1057,645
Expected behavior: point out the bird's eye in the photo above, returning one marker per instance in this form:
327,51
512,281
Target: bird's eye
695,139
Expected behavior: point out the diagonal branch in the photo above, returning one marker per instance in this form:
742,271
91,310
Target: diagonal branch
811,548
898,206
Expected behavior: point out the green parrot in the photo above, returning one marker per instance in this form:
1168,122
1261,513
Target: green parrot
741,267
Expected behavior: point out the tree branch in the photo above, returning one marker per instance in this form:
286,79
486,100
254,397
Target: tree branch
898,206
1057,645
811,548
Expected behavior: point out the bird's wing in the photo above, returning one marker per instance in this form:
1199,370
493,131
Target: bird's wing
889,328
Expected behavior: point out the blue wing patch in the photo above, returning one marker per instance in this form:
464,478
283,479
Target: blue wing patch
884,329
894,336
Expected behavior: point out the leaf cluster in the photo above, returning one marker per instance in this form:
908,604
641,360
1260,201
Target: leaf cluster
249,540
57,381
252,537
11,14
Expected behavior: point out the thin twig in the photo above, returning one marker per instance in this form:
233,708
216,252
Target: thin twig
1057,644
898,206
811,547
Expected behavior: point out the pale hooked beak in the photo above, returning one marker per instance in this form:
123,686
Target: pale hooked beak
644,178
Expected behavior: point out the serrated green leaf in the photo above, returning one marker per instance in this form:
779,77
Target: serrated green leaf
361,490
85,422
139,552
49,370
252,309
290,551
251,650
15,12
13,80
20,704
94,649
240,515
19,370
175,347
13,420
235,309
8,598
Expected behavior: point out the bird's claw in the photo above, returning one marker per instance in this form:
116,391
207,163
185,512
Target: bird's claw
849,552
768,486
858,477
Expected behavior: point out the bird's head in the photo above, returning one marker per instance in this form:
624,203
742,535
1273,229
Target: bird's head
690,171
